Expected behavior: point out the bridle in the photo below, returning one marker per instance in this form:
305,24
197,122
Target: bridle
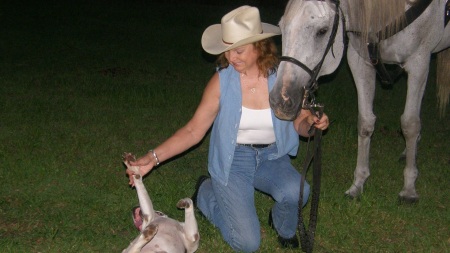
312,84
308,102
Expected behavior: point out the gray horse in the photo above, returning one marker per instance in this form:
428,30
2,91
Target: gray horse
402,32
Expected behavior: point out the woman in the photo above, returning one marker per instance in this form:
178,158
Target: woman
249,147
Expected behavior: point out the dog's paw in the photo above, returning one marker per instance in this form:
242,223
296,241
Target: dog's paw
184,203
128,157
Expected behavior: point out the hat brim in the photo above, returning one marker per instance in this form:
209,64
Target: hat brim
212,38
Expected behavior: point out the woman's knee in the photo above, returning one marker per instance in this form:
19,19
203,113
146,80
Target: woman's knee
306,192
292,192
246,243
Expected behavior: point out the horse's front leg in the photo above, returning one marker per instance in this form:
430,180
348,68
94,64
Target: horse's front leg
417,68
364,76
191,234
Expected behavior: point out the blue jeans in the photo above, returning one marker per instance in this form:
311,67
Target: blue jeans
232,209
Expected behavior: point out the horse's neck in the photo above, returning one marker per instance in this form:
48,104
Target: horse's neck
371,17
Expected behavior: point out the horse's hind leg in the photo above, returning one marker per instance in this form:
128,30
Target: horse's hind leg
417,68
192,237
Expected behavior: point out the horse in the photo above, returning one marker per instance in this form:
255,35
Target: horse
315,36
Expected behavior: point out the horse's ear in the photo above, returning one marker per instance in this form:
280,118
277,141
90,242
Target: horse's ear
336,2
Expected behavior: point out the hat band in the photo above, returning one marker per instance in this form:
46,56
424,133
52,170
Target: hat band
227,42
230,43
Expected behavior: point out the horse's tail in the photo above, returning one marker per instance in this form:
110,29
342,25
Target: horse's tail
443,80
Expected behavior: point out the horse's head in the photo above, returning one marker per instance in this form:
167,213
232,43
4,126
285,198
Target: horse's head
306,27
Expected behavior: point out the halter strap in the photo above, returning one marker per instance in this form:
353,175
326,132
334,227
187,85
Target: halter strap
298,63
312,84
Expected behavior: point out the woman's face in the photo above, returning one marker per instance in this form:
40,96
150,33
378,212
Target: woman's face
243,58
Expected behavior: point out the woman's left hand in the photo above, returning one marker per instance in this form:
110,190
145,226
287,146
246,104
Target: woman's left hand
321,123
307,121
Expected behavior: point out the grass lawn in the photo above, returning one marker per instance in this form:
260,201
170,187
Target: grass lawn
83,81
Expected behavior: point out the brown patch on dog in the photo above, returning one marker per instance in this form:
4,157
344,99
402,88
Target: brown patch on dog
145,218
128,157
150,231
183,204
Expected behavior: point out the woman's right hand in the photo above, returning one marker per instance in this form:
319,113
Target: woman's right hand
145,163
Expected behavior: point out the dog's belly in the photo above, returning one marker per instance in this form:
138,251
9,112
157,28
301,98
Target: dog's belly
169,237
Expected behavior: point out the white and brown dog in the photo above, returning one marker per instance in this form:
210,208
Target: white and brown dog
160,233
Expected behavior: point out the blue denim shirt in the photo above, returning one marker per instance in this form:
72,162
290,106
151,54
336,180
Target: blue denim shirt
225,128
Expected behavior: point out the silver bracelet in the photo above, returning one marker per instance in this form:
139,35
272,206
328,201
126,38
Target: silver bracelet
155,156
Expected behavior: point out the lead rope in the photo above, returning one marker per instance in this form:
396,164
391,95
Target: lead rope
307,235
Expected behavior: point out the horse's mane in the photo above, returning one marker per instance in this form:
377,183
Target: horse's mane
442,80
376,17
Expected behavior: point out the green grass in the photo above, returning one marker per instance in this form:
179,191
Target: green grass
81,82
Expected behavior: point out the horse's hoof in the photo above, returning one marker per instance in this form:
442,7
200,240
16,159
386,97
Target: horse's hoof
353,192
352,198
408,200
408,196
349,196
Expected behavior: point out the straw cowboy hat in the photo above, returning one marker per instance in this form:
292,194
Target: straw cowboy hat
239,27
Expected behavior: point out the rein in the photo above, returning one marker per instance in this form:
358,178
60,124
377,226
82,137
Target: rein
307,235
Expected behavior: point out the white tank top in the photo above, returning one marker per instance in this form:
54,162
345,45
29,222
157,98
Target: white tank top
256,127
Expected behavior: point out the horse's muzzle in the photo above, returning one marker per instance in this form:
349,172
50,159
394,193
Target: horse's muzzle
284,106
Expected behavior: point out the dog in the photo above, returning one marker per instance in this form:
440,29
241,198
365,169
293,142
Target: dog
160,233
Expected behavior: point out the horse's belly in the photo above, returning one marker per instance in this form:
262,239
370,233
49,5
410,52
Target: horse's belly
445,41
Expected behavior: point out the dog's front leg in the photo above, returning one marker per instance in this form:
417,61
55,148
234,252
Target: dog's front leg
148,214
192,237
145,203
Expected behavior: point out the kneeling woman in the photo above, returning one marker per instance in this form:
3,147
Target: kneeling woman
249,147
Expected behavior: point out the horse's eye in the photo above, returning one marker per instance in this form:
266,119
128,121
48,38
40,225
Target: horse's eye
322,31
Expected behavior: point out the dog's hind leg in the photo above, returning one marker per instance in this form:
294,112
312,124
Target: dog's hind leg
192,236
146,236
